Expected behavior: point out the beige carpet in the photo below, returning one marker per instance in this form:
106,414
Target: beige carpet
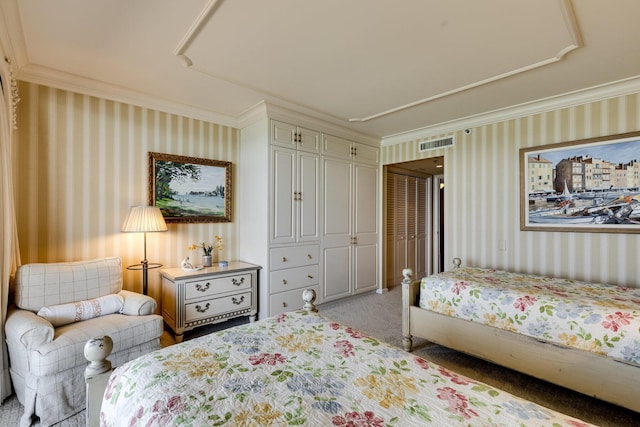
380,316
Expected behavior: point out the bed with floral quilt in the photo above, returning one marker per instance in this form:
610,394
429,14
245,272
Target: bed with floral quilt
581,335
299,368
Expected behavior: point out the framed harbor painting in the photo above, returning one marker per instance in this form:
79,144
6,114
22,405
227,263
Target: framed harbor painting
591,185
189,189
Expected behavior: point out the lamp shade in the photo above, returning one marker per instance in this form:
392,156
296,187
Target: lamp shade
144,219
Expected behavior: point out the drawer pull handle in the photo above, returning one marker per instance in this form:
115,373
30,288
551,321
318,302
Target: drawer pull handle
202,310
309,256
309,276
284,304
284,259
284,282
237,282
237,301
201,288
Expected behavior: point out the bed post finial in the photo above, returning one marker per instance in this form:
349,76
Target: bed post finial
407,273
309,297
96,375
456,262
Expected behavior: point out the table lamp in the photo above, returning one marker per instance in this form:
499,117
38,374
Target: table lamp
144,219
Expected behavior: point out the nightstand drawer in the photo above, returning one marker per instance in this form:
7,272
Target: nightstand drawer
215,306
288,301
218,285
293,256
293,278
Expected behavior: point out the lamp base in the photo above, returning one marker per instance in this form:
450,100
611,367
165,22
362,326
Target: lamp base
144,267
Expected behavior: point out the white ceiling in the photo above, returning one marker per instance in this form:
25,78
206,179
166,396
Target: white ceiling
372,66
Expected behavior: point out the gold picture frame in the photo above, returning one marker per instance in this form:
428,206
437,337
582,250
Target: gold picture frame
589,185
190,189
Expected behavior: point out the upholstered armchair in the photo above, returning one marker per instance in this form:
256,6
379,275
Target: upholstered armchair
58,308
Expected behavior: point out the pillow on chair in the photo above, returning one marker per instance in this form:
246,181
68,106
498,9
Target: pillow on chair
63,314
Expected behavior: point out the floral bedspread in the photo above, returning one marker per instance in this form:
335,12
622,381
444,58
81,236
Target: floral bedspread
301,369
602,319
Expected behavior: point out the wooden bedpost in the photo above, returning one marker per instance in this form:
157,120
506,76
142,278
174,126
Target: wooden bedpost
309,297
407,301
96,375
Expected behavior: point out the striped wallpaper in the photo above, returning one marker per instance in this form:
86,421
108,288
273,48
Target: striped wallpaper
482,196
81,162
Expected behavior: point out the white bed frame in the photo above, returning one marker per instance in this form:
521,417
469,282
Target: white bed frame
582,371
97,373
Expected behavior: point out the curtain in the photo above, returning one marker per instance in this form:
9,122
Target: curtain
9,254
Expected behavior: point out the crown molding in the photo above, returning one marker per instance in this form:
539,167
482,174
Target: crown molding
597,93
73,83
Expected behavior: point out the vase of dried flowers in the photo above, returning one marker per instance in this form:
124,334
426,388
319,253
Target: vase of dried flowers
208,250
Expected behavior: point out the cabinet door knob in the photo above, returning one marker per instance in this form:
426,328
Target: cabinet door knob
201,288
237,282
284,304
237,301
309,256
284,259
202,310
284,282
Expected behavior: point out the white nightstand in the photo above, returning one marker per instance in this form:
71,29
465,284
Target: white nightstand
211,295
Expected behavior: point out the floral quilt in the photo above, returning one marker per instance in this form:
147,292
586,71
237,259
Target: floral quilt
602,319
301,369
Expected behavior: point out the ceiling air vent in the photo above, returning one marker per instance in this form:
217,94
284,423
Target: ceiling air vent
436,143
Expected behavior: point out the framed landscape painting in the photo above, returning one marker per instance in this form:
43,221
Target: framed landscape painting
189,189
591,185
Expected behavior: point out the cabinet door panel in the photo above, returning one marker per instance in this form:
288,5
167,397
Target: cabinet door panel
337,272
337,197
309,203
283,163
365,262
366,154
283,134
308,140
335,146
365,199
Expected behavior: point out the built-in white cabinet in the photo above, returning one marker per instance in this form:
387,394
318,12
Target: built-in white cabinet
350,217
292,176
294,212
406,226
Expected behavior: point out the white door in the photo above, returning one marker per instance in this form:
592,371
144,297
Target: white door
337,232
365,227
308,197
283,207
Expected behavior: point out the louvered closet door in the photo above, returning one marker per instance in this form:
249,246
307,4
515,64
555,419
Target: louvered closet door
400,238
391,229
411,210
421,227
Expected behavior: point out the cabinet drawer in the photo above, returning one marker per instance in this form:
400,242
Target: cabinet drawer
288,301
293,278
215,306
214,286
293,256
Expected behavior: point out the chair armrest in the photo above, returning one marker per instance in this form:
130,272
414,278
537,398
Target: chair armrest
136,304
27,328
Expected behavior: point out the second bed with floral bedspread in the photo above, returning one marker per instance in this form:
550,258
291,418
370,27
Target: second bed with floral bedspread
602,319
